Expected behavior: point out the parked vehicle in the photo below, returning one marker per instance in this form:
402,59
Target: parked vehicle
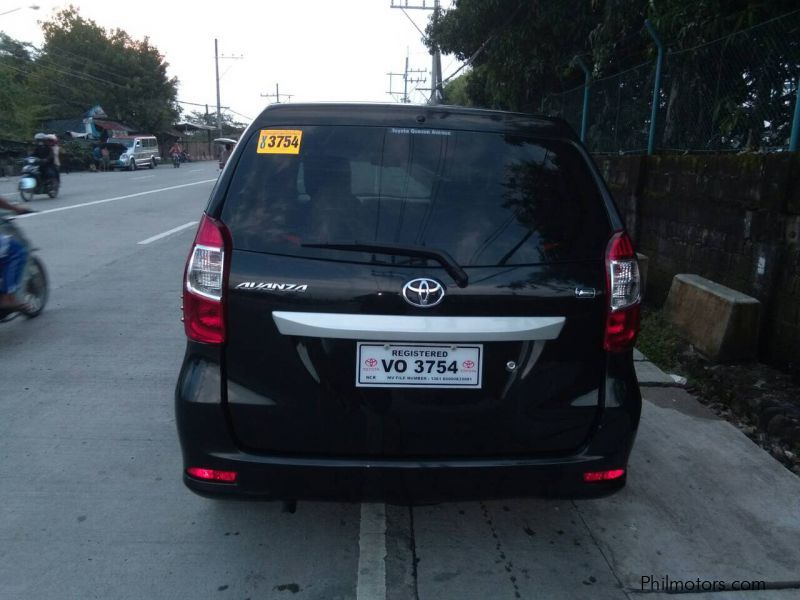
34,182
134,152
34,278
408,302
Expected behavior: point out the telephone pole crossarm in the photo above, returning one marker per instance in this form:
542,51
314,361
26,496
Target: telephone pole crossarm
277,95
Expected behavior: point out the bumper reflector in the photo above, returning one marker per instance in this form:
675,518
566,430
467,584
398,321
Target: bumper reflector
603,475
212,475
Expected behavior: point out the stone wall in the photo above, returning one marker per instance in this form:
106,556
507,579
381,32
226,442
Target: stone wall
733,218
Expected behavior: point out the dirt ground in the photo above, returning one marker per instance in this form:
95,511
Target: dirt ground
762,401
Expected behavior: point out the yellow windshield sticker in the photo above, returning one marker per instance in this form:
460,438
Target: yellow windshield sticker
279,141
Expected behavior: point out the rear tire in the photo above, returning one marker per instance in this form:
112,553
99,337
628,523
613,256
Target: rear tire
35,288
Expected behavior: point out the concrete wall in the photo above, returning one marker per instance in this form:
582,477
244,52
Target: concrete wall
733,218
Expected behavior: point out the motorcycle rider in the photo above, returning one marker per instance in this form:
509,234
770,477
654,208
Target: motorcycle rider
44,152
176,150
52,141
12,260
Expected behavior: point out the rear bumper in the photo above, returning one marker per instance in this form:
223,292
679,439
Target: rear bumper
207,442
286,478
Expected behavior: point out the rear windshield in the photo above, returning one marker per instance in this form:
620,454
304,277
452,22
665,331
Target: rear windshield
487,199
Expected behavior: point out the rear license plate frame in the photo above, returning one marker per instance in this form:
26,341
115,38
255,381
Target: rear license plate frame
377,365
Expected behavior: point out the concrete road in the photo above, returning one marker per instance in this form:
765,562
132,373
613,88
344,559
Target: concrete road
92,506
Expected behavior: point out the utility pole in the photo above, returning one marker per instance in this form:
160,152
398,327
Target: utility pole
219,112
436,57
406,80
277,95
208,133
216,67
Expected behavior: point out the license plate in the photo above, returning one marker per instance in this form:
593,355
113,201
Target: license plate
419,365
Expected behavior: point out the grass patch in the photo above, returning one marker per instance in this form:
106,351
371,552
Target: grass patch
659,341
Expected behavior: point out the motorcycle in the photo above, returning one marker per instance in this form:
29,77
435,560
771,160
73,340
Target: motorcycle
33,181
176,161
34,288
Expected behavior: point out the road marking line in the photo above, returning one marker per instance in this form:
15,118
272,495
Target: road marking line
371,580
166,189
170,232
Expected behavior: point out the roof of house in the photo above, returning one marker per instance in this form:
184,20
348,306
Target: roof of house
112,125
62,125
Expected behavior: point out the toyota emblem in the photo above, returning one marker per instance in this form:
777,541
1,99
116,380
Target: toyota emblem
423,292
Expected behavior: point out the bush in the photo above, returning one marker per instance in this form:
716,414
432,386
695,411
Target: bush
76,155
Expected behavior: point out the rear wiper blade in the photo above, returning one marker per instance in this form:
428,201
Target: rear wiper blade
443,258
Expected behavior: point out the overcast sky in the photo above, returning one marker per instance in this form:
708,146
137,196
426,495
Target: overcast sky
317,50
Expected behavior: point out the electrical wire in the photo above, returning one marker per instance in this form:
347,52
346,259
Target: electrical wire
41,54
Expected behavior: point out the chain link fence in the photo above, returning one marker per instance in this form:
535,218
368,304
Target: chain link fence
737,92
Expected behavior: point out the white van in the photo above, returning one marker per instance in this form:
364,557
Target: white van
133,152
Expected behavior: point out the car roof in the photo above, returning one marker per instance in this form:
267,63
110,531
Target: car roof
413,116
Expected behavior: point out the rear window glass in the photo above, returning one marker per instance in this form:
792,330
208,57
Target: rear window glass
487,199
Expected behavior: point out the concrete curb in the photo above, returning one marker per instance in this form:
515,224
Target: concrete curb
649,375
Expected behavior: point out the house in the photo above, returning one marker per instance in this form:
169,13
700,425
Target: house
94,125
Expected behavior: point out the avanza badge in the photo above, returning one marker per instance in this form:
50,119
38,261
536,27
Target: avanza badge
279,141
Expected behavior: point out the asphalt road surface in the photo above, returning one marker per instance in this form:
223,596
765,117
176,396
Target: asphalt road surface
92,504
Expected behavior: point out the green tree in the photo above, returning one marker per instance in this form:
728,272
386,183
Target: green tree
455,92
524,52
21,109
522,47
82,64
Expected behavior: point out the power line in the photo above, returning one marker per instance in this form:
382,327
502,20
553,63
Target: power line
199,104
240,114
436,57
482,47
422,33
78,58
29,73
77,75
61,99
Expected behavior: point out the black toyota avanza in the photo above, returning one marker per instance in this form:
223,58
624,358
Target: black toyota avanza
396,301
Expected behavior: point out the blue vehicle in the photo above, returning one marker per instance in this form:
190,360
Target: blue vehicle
34,278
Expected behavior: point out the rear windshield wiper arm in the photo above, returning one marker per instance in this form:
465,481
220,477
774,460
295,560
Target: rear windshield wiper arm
443,258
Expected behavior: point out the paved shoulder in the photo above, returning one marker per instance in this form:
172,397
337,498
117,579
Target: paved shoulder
703,503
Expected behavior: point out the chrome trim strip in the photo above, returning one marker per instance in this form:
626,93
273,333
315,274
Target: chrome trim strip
391,328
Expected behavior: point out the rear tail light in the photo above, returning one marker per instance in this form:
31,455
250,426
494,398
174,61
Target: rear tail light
624,294
203,310
603,475
212,475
